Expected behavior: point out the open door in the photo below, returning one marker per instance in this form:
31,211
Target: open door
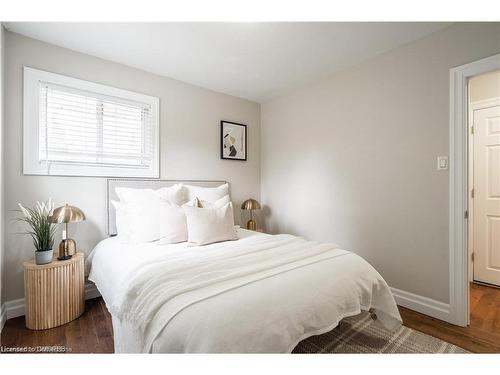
486,194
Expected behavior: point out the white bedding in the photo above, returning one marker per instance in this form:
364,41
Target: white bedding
260,293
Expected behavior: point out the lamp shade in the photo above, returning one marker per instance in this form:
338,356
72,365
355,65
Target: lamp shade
250,204
67,214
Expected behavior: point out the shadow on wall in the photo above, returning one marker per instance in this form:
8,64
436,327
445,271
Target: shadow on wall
283,226
264,216
258,215
85,229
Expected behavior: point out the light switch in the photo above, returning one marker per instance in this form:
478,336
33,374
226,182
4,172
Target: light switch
442,163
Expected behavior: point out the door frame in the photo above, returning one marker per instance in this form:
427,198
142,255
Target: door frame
458,185
473,106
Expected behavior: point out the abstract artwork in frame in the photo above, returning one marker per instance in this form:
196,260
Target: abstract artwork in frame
233,143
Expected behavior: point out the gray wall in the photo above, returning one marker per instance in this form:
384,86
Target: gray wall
353,159
189,118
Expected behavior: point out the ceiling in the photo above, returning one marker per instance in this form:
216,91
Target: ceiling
256,61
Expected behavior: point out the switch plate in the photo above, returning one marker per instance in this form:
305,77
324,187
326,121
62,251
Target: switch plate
442,163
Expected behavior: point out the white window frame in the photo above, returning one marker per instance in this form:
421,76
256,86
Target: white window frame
31,127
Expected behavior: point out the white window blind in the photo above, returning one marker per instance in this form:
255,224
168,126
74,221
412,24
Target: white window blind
80,128
88,128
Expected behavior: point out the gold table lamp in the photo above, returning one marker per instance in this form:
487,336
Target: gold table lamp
67,214
251,204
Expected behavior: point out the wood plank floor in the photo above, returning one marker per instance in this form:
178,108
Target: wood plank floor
483,333
93,332
90,333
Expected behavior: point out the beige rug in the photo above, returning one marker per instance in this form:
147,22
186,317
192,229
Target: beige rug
361,334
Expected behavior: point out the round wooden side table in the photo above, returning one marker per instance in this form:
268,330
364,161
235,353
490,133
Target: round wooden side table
54,293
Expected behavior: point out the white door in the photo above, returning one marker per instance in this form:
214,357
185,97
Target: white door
486,236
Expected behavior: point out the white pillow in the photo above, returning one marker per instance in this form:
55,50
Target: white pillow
146,209
130,195
195,202
121,220
209,225
217,204
176,194
207,194
172,222
143,217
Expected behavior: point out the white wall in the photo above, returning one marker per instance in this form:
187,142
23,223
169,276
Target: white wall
353,159
350,160
189,118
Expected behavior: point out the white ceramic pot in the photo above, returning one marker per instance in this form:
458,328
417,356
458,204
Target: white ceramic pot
44,257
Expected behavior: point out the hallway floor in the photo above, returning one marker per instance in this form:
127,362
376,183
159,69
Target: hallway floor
483,333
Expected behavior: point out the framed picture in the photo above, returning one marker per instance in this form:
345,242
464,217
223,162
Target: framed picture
233,141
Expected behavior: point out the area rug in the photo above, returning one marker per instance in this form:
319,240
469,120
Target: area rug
362,334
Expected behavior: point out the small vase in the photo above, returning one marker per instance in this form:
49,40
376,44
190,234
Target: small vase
44,256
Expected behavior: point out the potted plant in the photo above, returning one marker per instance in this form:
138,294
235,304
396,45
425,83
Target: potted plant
42,229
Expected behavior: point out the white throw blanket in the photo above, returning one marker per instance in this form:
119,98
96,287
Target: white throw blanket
158,291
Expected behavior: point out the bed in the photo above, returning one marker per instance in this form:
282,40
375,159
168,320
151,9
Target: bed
260,293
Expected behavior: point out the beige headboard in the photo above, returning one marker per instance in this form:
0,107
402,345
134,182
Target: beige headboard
143,184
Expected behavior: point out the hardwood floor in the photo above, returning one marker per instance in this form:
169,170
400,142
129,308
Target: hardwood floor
90,333
483,333
93,332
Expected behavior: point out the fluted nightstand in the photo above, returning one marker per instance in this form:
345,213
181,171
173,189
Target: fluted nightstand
54,292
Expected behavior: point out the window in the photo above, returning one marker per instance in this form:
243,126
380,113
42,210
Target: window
80,128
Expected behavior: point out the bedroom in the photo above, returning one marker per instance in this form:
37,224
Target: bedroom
154,140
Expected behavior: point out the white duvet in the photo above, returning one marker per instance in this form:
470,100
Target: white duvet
261,293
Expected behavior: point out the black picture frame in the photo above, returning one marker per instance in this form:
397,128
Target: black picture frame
223,135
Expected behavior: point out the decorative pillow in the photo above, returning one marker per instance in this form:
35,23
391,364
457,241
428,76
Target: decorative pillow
172,222
209,225
217,204
195,202
207,194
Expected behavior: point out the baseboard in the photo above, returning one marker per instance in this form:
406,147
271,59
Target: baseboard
15,308
424,305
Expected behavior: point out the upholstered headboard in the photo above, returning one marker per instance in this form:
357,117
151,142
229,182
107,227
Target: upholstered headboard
143,184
